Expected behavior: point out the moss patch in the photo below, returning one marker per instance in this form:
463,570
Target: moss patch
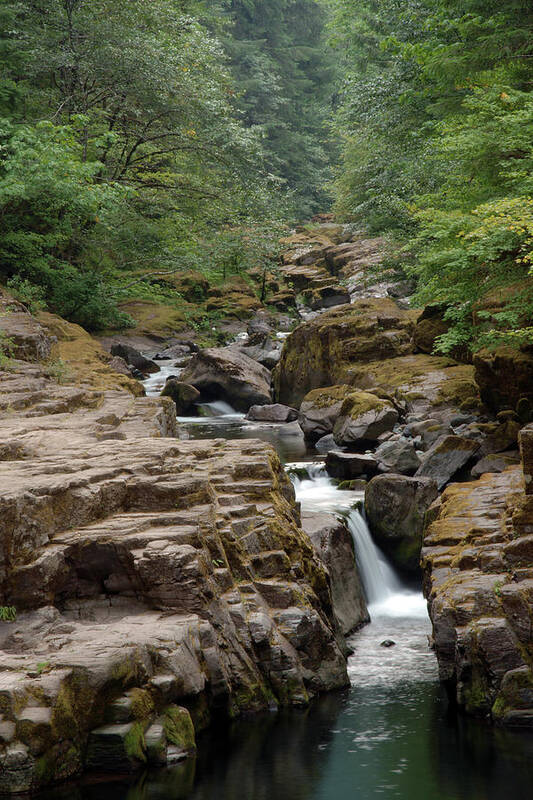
179,729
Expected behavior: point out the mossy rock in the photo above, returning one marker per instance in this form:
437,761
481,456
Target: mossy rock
179,728
233,304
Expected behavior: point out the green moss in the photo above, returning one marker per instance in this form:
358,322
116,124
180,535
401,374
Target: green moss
134,743
328,396
359,403
142,704
179,728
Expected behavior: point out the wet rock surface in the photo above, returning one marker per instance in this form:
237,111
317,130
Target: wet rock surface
478,566
395,507
333,542
154,579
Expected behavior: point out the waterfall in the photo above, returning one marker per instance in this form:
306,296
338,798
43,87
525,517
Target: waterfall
385,593
379,579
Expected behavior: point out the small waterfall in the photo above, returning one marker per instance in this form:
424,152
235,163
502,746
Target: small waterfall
385,593
218,408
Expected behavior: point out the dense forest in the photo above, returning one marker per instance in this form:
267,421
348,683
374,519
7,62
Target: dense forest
140,140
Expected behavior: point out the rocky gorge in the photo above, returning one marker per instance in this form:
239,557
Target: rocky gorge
160,583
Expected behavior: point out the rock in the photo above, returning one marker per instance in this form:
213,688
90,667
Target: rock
133,357
428,430
429,326
325,297
28,339
192,285
495,463
119,365
397,456
395,506
388,643
346,466
259,329
273,413
446,457
115,748
363,418
526,453
326,350
319,410
184,396
326,443
478,578
334,545
147,573
504,376
180,351
402,289
225,374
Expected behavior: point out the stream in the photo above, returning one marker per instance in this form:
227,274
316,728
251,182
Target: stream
390,735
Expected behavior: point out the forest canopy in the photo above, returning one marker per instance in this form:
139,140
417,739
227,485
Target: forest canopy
146,138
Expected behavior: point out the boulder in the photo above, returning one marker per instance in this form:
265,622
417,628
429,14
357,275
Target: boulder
333,544
326,443
429,326
397,456
273,413
117,364
185,396
319,410
226,374
363,418
505,376
259,329
495,462
346,466
428,431
328,349
325,297
446,457
396,506
135,358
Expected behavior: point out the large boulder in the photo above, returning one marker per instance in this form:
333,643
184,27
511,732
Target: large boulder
446,458
327,349
223,373
184,395
398,456
363,418
526,453
505,376
319,410
273,413
333,544
346,466
396,506
135,358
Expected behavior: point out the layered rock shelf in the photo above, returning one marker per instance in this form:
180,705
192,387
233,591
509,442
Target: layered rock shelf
156,582
478,567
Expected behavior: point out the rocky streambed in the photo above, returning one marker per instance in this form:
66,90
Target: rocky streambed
162,577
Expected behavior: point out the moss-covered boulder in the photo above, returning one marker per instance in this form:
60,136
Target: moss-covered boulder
328,350
396,506
429,326
319,410
363,418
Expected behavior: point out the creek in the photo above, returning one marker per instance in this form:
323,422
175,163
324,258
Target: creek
391,735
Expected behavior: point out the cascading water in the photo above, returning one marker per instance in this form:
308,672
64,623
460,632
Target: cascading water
385,593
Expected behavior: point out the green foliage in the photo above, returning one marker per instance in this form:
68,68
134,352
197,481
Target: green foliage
437,124
123,152
284,77
8,613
